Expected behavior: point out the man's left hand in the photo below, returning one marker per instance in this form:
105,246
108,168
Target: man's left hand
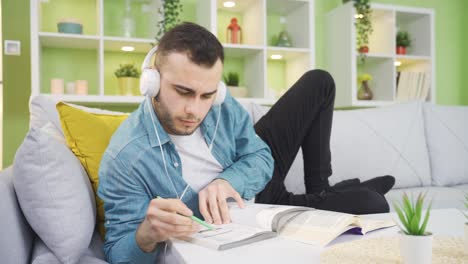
212,201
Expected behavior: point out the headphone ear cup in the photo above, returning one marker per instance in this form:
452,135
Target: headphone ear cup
150,81
221,94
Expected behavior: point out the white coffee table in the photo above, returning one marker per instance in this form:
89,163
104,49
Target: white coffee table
279,250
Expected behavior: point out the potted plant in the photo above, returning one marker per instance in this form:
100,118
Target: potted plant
364,92
415,242
169,16
128,76
363,24
402,42
466,223
232,83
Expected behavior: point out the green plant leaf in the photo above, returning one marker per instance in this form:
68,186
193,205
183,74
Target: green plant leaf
407,207
426,219
401,216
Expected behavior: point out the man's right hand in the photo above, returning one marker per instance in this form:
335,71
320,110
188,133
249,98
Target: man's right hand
165,218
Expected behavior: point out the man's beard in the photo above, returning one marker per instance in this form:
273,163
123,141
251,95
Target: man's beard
167,121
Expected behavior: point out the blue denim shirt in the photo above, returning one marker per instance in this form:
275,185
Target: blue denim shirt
132,173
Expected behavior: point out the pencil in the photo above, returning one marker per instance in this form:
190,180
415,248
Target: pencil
196,219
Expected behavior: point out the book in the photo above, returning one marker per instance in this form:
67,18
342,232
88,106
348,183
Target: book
258,222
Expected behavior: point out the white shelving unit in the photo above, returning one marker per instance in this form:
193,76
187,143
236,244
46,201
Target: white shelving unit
343,61
101,43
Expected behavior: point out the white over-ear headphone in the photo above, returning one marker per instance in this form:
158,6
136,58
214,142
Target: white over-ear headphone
150,80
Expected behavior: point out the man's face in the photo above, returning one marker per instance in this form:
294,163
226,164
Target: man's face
187,93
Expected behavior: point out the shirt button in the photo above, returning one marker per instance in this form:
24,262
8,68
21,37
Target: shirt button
176,164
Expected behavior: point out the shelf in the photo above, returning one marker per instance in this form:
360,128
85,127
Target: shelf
418,26
110,24
376,55
383,82
382,40
291,16
345,63
61,40
116,43
372,103
84,12
412,57
250,17
287,53
236,50
131,19
98,99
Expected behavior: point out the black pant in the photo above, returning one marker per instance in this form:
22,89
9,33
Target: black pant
302,117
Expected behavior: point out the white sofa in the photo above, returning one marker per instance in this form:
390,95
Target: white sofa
423,145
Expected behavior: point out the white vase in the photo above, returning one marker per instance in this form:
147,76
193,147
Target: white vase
416,249
238,91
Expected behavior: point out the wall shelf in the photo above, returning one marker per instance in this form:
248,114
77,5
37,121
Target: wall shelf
95,54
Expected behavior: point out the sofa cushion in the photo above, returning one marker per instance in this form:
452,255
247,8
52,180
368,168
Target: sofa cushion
42,109
41,254
374,142
439,197
447,141
87,135
16,235
55,195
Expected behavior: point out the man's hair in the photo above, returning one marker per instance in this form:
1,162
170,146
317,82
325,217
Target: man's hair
200,45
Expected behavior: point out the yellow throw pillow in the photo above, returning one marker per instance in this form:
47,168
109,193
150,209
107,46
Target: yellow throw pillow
87,135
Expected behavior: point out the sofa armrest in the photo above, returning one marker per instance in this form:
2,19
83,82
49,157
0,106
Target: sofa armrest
16,236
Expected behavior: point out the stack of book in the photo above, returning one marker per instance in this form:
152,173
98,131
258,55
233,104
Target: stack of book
413,85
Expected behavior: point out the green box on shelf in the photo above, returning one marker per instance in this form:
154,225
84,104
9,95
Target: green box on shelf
70,26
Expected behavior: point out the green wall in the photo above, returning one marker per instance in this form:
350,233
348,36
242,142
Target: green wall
16,77
451,59
451,38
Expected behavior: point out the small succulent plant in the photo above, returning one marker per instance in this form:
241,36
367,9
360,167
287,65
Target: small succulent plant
410,215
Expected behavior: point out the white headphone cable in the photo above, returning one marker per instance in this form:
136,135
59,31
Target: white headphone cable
161,147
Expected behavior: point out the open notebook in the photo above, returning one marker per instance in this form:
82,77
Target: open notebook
303,224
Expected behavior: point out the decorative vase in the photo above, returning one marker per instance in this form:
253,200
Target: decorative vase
400,50
238,91
128,85
364,49
416,249
284,40
364,92
234,32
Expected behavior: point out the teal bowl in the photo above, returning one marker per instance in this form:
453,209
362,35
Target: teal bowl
70,28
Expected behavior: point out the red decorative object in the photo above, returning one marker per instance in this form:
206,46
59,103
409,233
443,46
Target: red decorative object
401,50
364,49
234,32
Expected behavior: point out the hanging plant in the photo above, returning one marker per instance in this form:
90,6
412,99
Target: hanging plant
169,16
363,24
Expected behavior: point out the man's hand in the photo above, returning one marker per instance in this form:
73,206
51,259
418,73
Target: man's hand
212,201
165,218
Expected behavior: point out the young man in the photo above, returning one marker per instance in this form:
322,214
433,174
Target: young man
183,153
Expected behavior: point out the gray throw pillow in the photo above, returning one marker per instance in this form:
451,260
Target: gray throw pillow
55,194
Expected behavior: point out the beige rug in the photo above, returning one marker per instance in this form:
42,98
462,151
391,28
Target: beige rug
386,250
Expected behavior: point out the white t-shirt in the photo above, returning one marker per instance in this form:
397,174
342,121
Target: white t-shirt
199,166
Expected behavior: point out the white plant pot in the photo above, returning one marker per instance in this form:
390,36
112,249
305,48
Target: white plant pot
466,237
238,91
416,249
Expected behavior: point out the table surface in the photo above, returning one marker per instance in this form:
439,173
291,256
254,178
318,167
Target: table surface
449,222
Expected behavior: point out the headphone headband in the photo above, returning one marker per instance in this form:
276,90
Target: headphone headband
150,80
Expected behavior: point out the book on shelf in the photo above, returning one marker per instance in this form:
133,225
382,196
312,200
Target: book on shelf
413,85
303,224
